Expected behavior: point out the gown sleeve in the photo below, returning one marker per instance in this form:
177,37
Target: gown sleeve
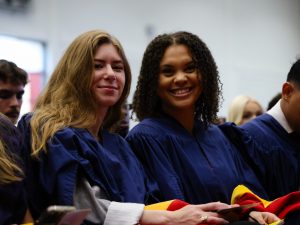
267,158
104,211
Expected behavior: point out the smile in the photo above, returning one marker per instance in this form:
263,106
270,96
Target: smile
181,92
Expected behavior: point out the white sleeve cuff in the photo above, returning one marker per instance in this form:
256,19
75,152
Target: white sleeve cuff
123,213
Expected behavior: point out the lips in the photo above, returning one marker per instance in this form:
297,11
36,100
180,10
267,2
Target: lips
108,87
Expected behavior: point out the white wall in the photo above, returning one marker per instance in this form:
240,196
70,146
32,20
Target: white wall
254,42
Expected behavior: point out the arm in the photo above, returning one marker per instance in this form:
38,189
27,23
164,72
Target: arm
188,215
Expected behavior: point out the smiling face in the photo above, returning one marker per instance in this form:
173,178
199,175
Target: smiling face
108,77
179,81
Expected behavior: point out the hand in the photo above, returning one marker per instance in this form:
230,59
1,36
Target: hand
188,215
263,217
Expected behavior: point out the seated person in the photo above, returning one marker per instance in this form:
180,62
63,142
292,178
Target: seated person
176,101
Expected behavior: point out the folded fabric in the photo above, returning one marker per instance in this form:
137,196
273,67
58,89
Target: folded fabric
171,205
281,206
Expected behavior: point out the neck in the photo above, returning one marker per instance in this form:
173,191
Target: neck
95,129
184,117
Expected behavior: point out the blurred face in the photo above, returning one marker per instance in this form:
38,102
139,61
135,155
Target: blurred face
179,82
109,76
291,103
251,110
11,99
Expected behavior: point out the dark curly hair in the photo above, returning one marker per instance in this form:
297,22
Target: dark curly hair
146,102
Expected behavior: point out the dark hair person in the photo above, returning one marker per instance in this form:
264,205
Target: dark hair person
12,83
177,100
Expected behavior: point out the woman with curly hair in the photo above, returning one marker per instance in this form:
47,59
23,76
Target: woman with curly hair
177,100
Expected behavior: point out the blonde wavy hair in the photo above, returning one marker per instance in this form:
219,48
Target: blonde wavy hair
67,100
237,106
9,169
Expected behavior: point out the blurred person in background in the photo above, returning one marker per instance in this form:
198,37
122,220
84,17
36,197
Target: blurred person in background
243,109
12,82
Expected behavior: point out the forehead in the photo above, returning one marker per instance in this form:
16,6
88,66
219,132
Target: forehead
10,86
175,53
108,50
252,105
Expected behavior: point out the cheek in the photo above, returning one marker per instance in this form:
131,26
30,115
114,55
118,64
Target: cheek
122,81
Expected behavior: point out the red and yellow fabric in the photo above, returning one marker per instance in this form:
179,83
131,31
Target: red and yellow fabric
171,205
280,206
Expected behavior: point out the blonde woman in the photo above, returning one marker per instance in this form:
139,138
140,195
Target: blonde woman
243,109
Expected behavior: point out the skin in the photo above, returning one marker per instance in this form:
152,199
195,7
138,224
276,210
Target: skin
108,81
179,87
11,99
290,104
188,215
251,110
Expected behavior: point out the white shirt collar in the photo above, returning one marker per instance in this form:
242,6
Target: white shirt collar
277,114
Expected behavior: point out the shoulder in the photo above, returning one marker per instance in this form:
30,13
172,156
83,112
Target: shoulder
262,124
10,135
112,137
153,127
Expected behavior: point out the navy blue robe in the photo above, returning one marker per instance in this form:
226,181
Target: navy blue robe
198,168
12,196
73,152
274,154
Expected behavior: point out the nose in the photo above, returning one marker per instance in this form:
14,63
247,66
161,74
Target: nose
14,101
180,78
110,73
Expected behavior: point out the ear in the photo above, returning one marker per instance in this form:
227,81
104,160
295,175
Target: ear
287,90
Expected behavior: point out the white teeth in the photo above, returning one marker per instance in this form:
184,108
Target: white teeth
181,91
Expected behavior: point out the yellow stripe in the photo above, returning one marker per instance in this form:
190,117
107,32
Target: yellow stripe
159,206
240,190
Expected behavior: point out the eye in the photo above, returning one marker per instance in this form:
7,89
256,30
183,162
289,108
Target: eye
118,67
5,94
190,68
258,113
247,115
98,66
167,71
19,95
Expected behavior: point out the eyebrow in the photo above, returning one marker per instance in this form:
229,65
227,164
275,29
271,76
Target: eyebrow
114,61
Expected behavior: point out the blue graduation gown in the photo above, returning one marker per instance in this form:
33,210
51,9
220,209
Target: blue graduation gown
74,152
275,154
12,196
198,168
